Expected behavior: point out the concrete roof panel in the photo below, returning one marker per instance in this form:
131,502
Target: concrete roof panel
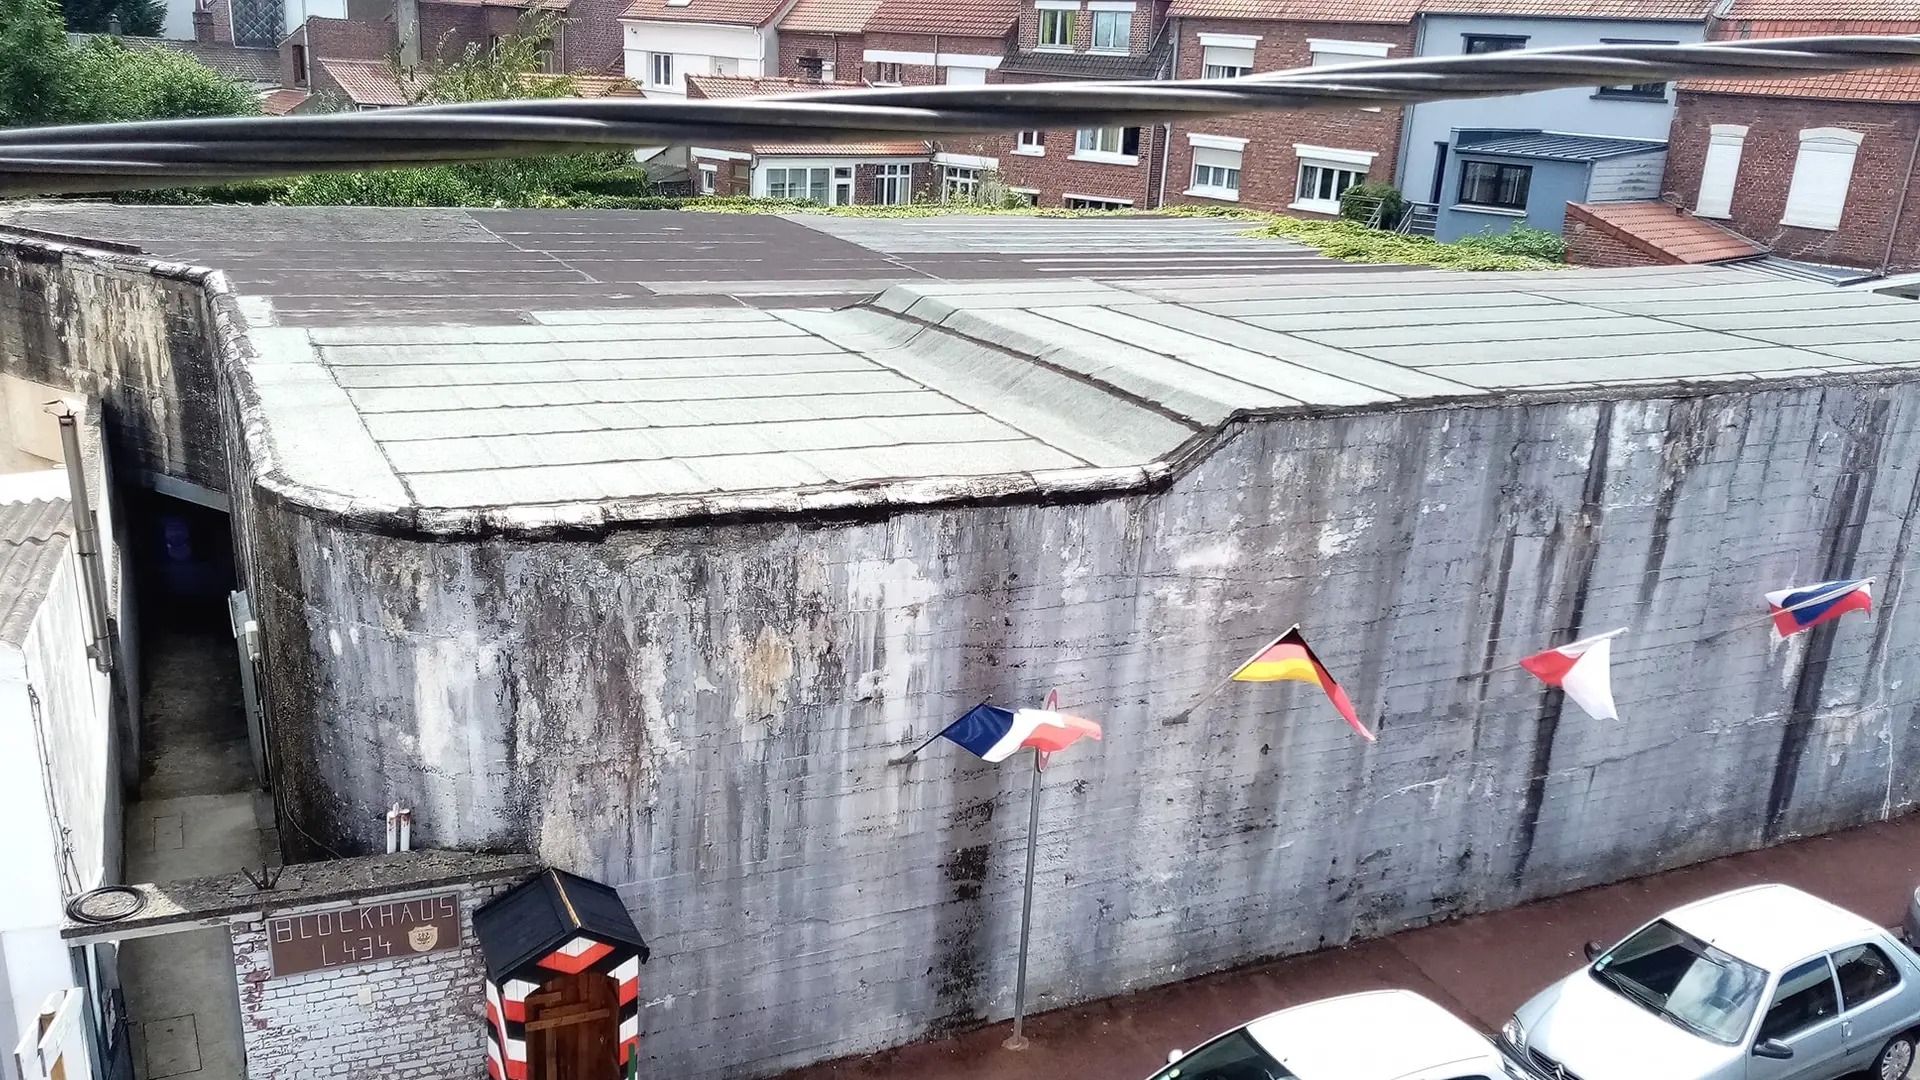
1537,374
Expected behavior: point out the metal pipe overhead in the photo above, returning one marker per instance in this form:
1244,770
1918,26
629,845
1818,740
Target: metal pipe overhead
84,159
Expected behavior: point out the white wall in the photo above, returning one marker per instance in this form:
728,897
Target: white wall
694,47
76,724
30,904
293,13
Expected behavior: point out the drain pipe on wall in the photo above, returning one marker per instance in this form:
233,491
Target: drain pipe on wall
86,535
1900,206
1166,129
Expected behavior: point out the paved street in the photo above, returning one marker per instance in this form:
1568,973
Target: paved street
1480,967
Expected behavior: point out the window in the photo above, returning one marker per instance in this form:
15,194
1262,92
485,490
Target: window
1033,143
1216,165
893,185
1095,202
959,184
1805,998
543,55
299,65
1722,169
1654,91
1865,973
708,173
1112,30
1056,29
660,69
1226,61
886,74
1486,43
1325,184
1670,972
1487,183
1327,52
809,184
493,44
1228,1057
1821,176
1118,146
1023,196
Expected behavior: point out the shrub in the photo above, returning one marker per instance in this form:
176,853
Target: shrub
1357,203
1519,240
45,79
1355,242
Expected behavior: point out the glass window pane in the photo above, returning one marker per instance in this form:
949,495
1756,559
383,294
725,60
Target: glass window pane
1865,973
1805,998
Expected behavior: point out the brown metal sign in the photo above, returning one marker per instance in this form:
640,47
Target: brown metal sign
363,934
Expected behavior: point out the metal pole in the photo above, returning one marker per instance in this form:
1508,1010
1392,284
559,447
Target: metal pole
86,538
1018,1041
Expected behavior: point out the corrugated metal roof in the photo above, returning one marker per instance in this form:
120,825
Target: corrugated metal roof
33,537
1796,270
1554,145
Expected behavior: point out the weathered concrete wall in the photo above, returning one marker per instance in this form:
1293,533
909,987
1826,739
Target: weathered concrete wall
134,333
704,716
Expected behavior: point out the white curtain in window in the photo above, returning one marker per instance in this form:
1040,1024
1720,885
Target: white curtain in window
1821,176
1223,62
1722,169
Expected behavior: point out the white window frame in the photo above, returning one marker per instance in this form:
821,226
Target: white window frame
1721,170
1327,51
1221,47
1821,148
1327,157
1099,14
1064,13
893,178
1106,202
709,175
826,181
953,181
658,62
1034,147
1032,194
1083,152
882,69
1215,153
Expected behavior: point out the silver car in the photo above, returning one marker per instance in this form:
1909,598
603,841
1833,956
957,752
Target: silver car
1763,983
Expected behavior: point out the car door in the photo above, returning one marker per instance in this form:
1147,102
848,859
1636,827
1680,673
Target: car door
1804,1014
1875,1002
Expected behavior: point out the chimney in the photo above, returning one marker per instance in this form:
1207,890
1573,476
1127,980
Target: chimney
203,24
113,23
406,27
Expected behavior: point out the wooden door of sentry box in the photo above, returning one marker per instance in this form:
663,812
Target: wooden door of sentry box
573,1029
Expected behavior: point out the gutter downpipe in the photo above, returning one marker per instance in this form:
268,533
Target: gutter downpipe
86,536
1900,207
1166,129
1407,112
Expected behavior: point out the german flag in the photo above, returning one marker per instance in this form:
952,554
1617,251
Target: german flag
1290,658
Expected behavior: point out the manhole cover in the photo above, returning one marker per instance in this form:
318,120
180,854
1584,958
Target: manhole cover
105,905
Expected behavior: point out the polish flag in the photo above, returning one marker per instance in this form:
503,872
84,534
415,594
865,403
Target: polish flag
1583,670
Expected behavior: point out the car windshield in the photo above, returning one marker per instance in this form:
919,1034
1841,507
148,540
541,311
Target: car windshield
1686,980
1233,1056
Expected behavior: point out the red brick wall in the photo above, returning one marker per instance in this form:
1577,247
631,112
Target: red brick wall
591,40
1055,174
1147,17
1592,244
1766,172
447,29
843,49
346,39
223,21
1269,169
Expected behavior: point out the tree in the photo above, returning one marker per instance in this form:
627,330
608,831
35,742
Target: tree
45,79
138,18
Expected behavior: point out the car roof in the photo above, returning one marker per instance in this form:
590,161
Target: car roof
1376,1035
1770,926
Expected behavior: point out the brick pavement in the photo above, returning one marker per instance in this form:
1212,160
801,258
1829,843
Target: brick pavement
1480,967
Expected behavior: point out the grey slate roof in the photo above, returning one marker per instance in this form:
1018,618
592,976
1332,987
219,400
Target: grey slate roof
33,536
941,390
260,67
1555,145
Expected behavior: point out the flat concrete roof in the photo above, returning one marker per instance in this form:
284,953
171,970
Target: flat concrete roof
454,371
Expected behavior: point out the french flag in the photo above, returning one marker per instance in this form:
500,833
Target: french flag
995,734
1806,606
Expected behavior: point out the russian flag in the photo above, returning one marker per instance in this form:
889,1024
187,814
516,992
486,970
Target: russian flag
995,734
1798,608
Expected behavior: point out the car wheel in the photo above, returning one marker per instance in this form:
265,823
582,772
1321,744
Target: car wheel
1895,1059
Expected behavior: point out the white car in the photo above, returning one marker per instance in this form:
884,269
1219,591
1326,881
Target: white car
1762,983
1377,1035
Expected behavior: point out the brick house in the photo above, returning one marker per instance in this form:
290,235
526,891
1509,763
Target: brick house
1818,169
864,174
825,40
1088,168
667,40
332,58
1293,160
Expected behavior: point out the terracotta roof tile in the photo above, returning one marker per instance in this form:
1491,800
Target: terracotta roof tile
1316,11
1850,17
739,86
872,149
1876,84
830,16
1679,10
365,82
1664,230
726,12
281,102
986,18
1824,11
